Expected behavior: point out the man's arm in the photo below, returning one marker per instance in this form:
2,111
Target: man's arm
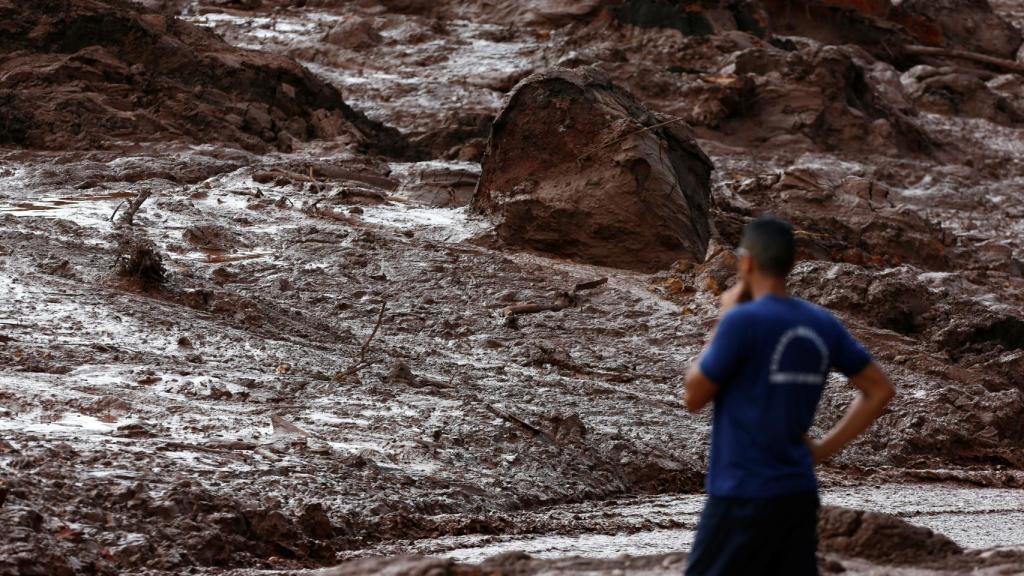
875,392
699,389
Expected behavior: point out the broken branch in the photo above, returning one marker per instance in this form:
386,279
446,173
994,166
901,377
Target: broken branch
1007,65
520,422
590,285
361,362
129,212
627,135
532,308
561,301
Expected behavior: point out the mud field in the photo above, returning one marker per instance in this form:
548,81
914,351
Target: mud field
328,287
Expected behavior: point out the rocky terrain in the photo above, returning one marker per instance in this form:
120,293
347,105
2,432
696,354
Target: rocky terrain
408,287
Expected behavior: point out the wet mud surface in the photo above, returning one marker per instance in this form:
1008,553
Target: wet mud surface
293,355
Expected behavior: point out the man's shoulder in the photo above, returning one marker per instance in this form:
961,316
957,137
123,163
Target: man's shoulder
821,319
791,310
813,309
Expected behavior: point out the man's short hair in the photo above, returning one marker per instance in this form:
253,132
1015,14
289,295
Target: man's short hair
770,242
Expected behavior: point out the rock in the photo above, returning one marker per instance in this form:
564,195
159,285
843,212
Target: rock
718,272
577,167
567,427
315,523
712,100
354,33
882,26
400,373
285,429
894,298
842,217
441,184
968,24
879,537
456,132
831,97
956,93
557,12
127,73
694,17
211,237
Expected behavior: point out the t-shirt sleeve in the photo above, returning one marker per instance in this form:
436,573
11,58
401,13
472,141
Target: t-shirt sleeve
722,358
848,356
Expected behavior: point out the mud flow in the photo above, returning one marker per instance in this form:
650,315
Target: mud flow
408,287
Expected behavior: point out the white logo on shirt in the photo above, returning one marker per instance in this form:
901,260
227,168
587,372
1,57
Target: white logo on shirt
777,376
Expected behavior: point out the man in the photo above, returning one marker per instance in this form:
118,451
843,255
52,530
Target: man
765,368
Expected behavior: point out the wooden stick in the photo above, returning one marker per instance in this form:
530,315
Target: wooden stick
531,308
1008,65
590,285
561,301
519,422
361,362
129,212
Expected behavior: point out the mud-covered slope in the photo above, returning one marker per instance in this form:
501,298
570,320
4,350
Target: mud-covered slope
89,73
332,367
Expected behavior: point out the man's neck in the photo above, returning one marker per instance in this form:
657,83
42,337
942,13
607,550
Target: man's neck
764,286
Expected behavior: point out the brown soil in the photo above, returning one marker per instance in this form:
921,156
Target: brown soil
297,353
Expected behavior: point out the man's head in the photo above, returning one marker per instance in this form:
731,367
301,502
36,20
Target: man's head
767,249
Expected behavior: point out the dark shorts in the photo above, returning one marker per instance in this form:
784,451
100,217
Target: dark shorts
757,537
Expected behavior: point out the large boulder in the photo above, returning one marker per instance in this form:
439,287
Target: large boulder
577,167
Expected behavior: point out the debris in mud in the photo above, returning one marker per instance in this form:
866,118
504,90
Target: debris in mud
462,136
560,301
139,259
133,207
401,374
91,73
577,167
362,361
446,185
211,237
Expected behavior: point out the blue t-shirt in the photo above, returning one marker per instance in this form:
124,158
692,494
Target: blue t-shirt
769,359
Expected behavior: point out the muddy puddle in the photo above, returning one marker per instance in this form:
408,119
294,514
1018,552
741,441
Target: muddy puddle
66,206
